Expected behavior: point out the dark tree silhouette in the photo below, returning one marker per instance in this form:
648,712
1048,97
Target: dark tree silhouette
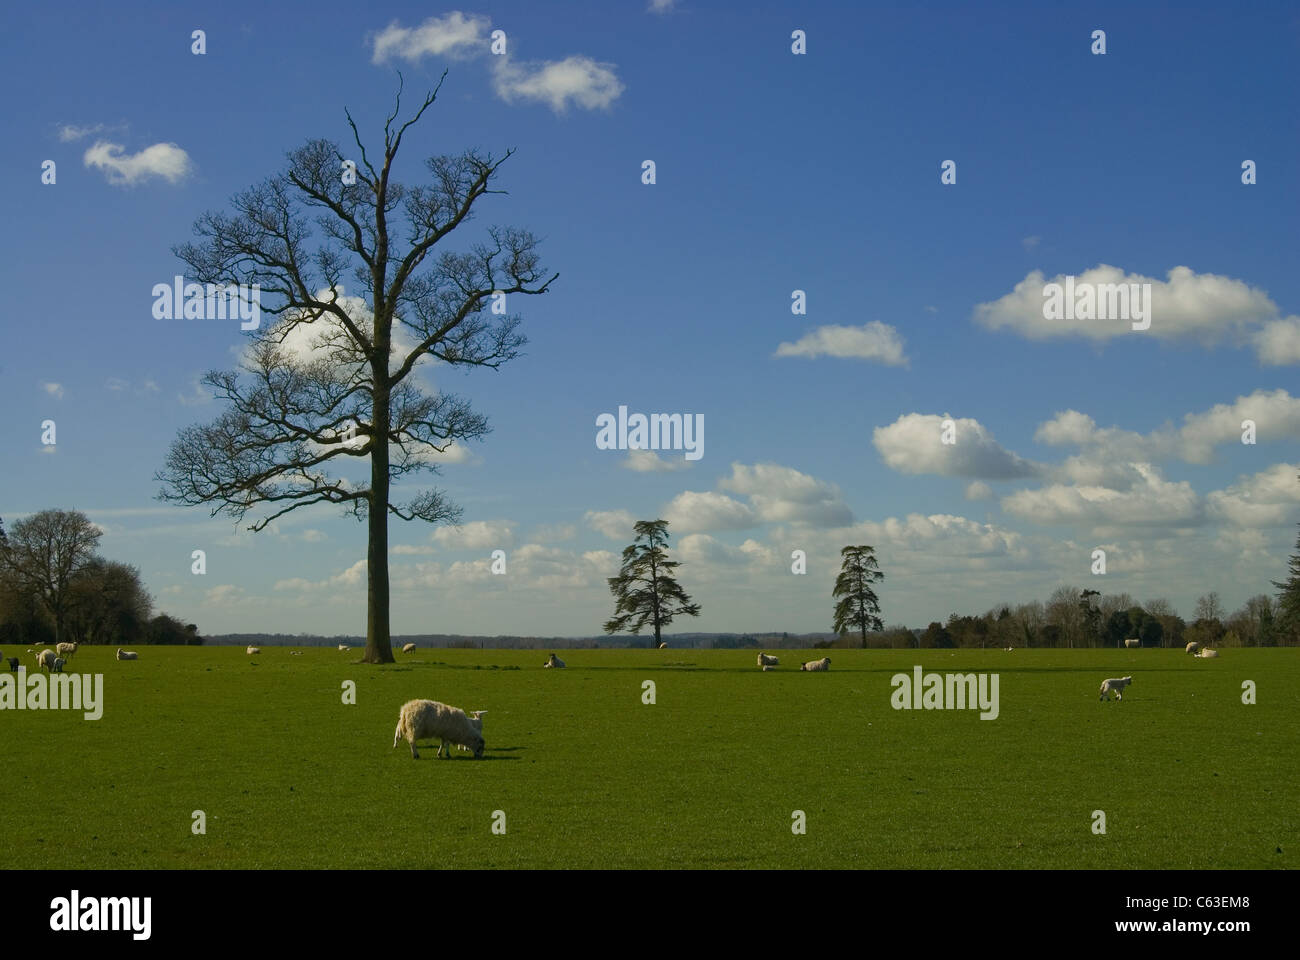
45,553
646,591
352,398
858,605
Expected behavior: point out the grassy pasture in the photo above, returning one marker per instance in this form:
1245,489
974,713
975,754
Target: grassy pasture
588,776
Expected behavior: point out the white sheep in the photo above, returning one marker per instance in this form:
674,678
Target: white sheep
66,650
1115,685
553,661
408,648
127,654
431,720
1132,642
765,661
477,720
823,664
254,650
344,647
59,664
1207,652
1193,648
45,658
663,645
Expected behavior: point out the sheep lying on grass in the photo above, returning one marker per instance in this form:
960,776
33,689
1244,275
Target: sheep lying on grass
46,659
823,664
663,645
1193,648
253,650
66,650
765,661
344,647
1116,685
408,648
553,661
431,720
1207,652
127,654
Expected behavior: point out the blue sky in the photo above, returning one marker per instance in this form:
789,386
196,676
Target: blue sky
775,172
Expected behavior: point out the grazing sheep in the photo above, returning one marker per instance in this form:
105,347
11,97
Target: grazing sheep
59,664
823,664
66,650
1132,642
344,647
408,648
253,650
553,661
1207,652
477,721
1117,685
431,720
13,663
127,654
1193,648
45,658
765,661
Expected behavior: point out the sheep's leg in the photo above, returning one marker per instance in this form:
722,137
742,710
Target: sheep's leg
414,754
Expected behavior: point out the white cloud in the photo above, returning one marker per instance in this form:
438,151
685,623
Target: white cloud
574,80
199,394
780,494
71,132
661,6
695,511
615,524
872,341
165,160
554,531
1278,343
406,549
55,390
1152,501
647,461
1203,307
1270,498
978,490
1031,243
353,576
313,536
913,444
454,35
708,551
222,595
476,535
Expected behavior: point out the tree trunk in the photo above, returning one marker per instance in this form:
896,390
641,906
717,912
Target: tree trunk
379,648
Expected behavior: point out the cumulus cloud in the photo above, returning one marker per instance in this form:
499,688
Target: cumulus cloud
55,390
693,510
913,444
476,535
1202,307
978,490
353,576
872,341
1150,502
165,160
780,494
555,531
706,550
575,80
647,461
454,35
70,132
1270,498
615,524
1278,343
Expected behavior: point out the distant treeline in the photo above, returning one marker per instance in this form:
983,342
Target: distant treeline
696,641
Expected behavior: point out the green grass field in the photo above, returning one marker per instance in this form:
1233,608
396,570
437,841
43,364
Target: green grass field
588,776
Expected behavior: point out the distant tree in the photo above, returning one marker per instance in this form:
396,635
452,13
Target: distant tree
1209,607
107,603
1152,632
1118,628
1091,617
45,552
1285,626
1065,611
645,588
858,605
164,629
1158,607
936,636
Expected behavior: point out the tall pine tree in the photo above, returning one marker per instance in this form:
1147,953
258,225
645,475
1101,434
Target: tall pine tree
858,606
645,588
1286,627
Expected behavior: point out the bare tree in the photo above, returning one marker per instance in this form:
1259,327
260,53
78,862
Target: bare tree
1209,607
353,397
44,554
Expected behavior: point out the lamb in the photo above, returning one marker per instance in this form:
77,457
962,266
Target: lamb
408,648
45,658
823,664
553,661
59,664
254,650
1193,648
66,650
765,661
1132,642
1117,685
127,654
431,720
1207,652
